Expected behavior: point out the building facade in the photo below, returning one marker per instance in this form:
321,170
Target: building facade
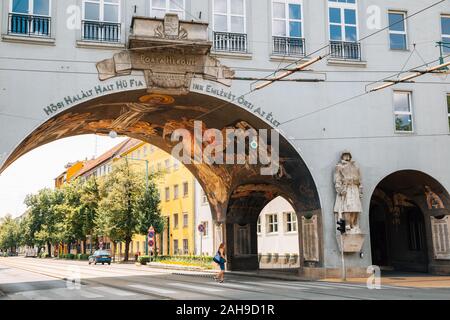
398,135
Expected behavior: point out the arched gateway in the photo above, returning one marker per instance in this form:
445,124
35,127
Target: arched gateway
182,84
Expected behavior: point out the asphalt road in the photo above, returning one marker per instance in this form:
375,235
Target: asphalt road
49,279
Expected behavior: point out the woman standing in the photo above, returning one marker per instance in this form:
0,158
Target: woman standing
219,258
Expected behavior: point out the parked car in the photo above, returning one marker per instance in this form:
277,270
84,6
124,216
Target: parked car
100,256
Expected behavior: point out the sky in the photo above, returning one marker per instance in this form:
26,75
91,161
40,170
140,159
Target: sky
38,168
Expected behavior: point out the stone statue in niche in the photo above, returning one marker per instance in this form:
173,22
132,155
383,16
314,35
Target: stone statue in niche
433,200
347,182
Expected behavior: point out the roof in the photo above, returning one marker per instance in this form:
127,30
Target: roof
108,155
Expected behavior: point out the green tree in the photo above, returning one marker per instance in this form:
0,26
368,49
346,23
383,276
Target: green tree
121,191
45,217
148,209
9,234
90,199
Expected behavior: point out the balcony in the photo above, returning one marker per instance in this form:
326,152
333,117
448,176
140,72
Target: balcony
345,50
28,25
289,46
230,42
100,31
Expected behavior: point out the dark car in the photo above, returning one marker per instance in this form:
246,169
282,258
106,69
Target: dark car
100,256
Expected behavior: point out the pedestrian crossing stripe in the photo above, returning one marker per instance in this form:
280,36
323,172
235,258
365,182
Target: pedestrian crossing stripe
194,287
151,289
114,291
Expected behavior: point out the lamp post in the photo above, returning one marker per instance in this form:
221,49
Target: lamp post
146,188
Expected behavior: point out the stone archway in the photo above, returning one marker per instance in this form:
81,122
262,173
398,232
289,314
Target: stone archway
183,84
155,122
408,215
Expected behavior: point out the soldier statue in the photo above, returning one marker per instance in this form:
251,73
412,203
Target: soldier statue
347,181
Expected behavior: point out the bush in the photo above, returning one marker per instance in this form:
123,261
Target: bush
82,256
70,256
144,260
43,255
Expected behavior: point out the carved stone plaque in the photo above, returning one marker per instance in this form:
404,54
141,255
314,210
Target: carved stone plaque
440,229
310,239
352,242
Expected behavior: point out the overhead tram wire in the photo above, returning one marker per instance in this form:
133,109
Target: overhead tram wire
316,59
316,51
354,97
326,46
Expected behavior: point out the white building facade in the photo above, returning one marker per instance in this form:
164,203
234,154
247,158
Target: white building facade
398,136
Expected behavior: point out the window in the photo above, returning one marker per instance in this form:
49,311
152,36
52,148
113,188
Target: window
448,109
159,8
185,189
445,26
175,246
291,222
175,191
176,165
185,220
258,225
167,193
175,220
167,164
138,154
145,152
30,17
397,31
185,246
159,166
101,20
287,27
343,29
229,24
403,111
272,223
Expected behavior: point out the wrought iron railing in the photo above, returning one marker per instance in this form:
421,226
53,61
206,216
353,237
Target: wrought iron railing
345,50
28,25
100,31
289,46
231,42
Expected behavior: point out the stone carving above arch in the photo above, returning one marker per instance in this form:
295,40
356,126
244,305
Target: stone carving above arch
170,53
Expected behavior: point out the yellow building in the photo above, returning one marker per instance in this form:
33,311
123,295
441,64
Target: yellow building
176,187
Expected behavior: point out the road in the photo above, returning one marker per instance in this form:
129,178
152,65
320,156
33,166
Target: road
50,279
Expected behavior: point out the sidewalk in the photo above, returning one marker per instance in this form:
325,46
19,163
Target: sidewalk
413,280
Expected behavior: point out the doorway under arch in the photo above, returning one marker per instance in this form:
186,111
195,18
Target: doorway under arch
401,210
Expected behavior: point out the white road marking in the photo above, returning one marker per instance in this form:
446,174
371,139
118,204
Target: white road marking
237,286
197,288
89,295
302,285
273,285
115,291
151,289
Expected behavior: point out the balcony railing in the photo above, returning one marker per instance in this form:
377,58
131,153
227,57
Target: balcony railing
28,25
289,46
345,50
100,31
230,42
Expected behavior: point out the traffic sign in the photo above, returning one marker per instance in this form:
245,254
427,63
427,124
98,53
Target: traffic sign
201,228
151,234
151,242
